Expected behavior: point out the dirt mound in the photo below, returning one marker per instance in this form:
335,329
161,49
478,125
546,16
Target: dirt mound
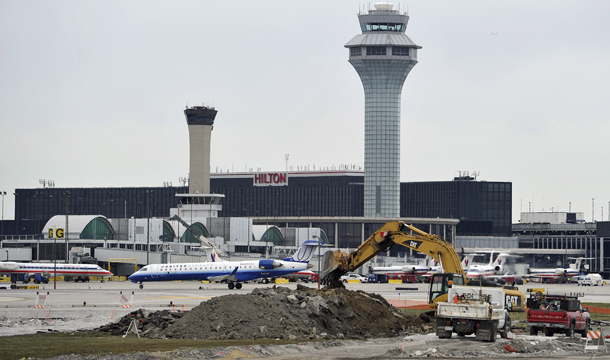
282,313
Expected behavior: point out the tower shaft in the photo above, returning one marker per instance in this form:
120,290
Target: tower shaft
200,120
383,55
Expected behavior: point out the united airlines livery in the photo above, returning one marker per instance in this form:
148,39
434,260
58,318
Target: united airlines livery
233,272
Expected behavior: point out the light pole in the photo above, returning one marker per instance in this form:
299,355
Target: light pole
2,193
319,272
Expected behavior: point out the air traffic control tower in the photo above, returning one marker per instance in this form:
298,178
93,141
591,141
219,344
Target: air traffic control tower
199,204
200,120
383,55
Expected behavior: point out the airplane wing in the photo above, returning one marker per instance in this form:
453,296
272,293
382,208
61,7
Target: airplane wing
230,277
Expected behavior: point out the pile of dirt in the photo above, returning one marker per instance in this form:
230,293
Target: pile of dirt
280,313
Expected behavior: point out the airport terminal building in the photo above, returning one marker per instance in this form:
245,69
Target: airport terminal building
482,208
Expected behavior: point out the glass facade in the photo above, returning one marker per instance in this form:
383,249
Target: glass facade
483,208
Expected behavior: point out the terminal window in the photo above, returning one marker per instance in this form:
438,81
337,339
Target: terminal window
355,51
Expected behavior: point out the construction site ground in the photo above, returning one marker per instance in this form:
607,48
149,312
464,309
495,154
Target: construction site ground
337,324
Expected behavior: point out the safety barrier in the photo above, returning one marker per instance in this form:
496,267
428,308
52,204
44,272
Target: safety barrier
125,303
595,338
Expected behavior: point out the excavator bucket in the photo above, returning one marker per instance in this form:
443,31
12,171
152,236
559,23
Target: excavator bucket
331,270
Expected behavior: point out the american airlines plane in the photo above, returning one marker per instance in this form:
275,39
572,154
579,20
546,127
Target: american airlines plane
48,269
233,272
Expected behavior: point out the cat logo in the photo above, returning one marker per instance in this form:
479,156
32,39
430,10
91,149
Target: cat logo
413,244
512,301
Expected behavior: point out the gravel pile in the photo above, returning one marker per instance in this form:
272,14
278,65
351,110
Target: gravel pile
280,313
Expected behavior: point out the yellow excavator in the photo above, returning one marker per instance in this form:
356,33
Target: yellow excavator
337,263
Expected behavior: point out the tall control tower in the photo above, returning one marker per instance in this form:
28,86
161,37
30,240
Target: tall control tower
383,55
200,120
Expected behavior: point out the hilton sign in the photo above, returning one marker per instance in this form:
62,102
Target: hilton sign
271,179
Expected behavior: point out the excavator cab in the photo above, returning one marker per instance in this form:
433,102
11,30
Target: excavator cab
440,283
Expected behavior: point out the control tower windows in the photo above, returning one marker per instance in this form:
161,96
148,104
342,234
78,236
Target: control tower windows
400,51
375,50
355,51
383,27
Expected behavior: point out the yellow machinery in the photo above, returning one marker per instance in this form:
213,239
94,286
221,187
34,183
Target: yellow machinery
337,263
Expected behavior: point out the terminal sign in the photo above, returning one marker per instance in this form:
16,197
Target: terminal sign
59,233
271,179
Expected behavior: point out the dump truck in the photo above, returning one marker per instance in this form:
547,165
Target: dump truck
471,310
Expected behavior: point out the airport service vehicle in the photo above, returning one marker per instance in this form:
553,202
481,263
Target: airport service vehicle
50,269
353,277
557,314
231,272
336,263
591,279
471,310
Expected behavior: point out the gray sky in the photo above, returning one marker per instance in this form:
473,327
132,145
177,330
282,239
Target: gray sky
92,92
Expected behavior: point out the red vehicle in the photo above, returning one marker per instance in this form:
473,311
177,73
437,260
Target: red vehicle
557,314
406,278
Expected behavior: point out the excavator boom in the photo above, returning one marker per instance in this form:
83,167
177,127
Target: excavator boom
337,263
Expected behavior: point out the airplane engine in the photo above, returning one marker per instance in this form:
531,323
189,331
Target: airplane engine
8,266
498,269
408,269
269,264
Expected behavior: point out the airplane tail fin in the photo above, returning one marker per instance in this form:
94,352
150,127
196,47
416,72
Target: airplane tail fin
214,257
305,251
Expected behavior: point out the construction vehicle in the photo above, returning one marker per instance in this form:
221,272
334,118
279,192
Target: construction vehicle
204,241
337,263
473,310
557,314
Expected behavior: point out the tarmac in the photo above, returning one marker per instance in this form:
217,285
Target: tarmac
79,300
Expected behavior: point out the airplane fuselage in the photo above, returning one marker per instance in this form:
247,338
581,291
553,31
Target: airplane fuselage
11,267
246,270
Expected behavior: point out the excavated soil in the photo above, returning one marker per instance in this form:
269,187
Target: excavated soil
279,313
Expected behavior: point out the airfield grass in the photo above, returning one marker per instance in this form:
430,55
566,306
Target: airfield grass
92,342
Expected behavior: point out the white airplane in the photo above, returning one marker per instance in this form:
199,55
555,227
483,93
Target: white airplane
408,269
48,269
486,264
570,270
233,272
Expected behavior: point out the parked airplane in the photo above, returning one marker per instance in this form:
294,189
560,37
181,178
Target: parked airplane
47,269
486,264
570,270
233,272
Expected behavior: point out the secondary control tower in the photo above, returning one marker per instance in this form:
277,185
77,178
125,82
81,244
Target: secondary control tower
200,120
383,55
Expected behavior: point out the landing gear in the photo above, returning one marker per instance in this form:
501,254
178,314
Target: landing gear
141,286
234,286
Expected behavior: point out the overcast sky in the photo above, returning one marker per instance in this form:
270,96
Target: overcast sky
92,93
